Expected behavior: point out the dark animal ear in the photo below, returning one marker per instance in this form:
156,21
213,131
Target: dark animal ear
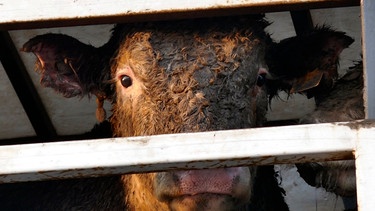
306,63
72,68
68,66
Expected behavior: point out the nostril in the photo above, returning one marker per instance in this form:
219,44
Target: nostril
205,181
235,183
219,181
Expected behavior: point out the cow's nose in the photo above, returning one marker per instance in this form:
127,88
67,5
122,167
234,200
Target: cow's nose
218,181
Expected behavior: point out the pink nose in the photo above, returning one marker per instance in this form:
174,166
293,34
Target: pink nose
219,181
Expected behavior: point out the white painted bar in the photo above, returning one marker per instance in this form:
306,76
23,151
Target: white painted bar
181,151
74,12
364,154
365,169
368,37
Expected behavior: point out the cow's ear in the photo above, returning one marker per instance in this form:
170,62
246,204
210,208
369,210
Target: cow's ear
72,68
69,66
306,63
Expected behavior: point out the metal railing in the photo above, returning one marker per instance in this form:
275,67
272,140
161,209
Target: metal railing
291,144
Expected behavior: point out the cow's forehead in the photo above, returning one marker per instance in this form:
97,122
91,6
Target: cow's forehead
204,81
204,54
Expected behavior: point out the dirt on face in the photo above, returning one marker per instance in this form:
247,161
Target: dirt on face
201,76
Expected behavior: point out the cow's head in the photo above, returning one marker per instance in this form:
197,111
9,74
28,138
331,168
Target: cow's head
336,100
306,63
172,77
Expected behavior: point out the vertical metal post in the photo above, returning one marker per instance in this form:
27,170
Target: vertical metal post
365,170
368,35
302,21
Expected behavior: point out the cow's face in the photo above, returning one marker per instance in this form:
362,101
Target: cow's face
184,81
184,76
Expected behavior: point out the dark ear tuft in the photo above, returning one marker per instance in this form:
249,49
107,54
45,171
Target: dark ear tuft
293,58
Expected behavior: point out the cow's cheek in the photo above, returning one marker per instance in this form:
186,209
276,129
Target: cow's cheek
140,192
126,115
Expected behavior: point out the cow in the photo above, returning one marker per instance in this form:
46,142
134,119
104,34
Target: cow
344,102
165,77
337,100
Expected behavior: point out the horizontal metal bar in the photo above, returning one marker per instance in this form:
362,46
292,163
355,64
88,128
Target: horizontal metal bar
261,146
21,14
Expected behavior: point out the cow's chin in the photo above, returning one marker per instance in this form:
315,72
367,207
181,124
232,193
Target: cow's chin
204,201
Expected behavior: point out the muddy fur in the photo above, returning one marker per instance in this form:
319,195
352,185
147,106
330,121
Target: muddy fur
192,80
187,76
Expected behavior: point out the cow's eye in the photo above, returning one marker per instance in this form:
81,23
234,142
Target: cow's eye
261,79
126,81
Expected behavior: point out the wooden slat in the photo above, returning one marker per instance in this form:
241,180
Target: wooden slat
18,14
180,151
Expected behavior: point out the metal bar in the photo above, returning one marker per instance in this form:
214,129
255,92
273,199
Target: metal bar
365,170
25,89
302,21
22,14
261,146
368,35
364,153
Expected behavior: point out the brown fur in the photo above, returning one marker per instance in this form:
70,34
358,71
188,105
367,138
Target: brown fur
195,84
186,76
